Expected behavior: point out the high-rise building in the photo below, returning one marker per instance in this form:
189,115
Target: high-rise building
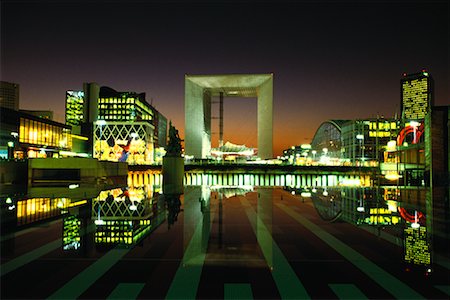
74,107
416,96
162,130
9,95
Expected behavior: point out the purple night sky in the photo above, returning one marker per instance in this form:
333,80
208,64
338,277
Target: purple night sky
331,60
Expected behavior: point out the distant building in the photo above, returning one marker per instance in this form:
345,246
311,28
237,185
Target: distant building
44,114
74,108
162,130
416,96
9,95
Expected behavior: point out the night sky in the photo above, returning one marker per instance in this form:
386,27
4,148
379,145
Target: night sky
331,60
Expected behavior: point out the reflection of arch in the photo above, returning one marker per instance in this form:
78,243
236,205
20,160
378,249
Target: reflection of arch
329,211
410,130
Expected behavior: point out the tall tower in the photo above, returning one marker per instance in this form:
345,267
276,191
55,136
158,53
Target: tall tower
416,96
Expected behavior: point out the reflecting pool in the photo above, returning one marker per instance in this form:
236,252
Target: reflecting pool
231,240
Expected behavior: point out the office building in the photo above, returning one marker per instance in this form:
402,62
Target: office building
364,141
416,96
123,106
9,95
74,108
119,109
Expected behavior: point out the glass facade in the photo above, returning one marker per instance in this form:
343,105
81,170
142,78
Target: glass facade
365,140
124,107
74,107
43,134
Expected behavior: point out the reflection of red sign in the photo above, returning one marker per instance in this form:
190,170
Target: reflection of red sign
416,131
411,218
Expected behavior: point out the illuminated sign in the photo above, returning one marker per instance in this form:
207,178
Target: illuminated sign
417,249
415,97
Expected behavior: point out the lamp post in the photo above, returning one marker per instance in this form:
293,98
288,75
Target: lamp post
314,154
414,124
360,137
101,123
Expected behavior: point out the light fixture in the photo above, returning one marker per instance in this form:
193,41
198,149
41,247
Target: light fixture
415,224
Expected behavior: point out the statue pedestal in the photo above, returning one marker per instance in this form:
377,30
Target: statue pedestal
173,173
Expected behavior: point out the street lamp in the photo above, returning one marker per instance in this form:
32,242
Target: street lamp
416,223
314,154
414,124
101,123
360,137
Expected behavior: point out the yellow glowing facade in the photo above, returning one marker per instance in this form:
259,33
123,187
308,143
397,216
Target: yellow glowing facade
42,134
416,92
125,108
74,107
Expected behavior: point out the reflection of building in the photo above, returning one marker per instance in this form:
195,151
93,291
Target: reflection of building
71,232
130,142
9,95
24,135
122,232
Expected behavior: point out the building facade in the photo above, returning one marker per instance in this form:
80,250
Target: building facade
416,96
9,95
364,141
95,105
28,136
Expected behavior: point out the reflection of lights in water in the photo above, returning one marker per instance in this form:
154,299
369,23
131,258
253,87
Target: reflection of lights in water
415,224
99,222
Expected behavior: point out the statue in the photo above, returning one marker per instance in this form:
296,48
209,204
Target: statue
174,144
